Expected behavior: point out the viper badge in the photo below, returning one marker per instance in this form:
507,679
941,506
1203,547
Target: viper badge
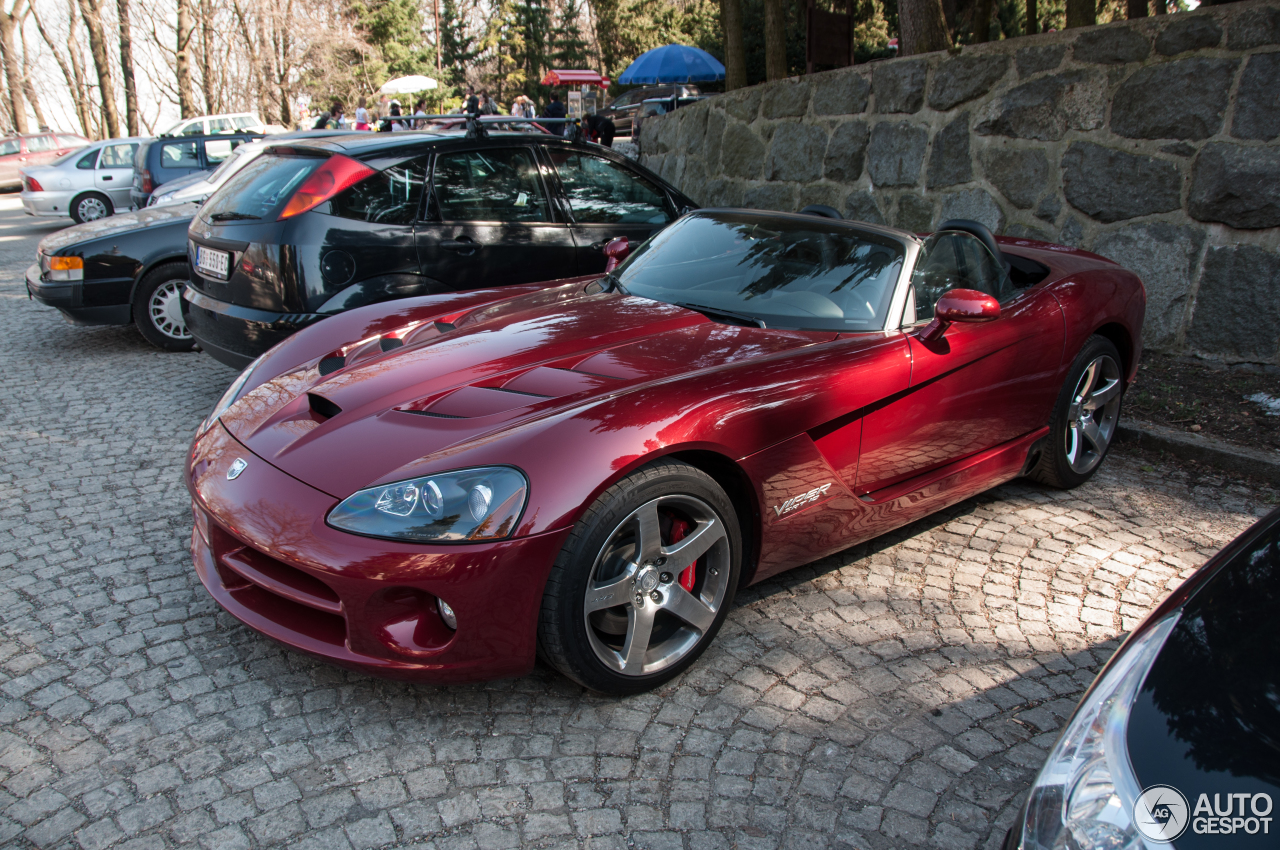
803,499
237,467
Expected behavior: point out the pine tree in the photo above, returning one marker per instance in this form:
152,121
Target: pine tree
395,28
568,47
457,48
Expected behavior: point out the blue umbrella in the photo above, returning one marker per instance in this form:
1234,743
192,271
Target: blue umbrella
674,63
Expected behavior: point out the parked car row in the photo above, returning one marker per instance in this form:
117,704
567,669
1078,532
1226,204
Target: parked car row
116,174
528,206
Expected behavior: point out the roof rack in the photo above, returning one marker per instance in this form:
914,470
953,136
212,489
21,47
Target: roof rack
476,122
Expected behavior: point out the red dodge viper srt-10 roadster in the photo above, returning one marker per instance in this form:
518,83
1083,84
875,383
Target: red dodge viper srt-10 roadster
445,488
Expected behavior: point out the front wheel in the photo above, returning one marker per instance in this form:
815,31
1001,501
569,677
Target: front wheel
157,308
90,206
644,582
1084,418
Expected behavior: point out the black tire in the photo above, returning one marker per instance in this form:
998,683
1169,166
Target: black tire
563,624
91,206
1057,466
160,328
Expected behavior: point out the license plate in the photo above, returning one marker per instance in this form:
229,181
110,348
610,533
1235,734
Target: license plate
214,262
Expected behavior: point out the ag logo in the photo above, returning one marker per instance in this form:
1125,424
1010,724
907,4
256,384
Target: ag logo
1160,813
237,467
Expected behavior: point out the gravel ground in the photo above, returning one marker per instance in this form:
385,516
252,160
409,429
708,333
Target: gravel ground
901,693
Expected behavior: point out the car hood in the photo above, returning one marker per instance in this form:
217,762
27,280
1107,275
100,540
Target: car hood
378,409
112,225
1207,720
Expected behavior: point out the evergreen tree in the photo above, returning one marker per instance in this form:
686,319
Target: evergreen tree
568,47
458,49
395,28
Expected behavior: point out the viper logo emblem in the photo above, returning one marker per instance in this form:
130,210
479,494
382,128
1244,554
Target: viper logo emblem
237,467
803,499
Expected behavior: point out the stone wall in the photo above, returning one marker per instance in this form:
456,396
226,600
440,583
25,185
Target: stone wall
1152,142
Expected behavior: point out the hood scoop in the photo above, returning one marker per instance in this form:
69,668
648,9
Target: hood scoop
525,390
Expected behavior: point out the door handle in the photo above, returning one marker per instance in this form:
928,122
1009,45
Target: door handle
463,245
106,177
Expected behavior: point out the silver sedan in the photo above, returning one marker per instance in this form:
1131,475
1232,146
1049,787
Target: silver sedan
86,184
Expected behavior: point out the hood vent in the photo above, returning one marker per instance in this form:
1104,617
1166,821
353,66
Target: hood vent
322,406
433,414
329,365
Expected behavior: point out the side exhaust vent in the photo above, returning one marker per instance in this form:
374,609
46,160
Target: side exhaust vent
388,343
321,406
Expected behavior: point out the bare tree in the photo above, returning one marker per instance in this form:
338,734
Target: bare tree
92,16
78,98
775,40
9,22
182,61
126,68
735,51
208,77
922,27
28,83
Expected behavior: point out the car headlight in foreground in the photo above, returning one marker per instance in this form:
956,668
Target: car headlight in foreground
1084,796
229,397
464,505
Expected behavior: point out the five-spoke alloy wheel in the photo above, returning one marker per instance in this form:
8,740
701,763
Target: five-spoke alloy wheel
644,581
1085,417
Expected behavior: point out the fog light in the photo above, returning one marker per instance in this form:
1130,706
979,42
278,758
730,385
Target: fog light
478,501
446,614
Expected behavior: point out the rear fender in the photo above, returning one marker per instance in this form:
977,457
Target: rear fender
387,287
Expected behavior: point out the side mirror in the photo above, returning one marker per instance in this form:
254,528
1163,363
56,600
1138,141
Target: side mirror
960,305
617,251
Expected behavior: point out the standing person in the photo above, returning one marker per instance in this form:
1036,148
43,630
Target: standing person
555,109
487,104
322,123
420,114
337,120
601,129
473,102
362,114
384,106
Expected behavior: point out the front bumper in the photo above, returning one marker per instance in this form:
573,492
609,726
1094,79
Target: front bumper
236,335
52,204
106,304
263,551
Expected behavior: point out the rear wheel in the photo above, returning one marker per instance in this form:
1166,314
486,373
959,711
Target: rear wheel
644,581
157,307
1085,417
90,206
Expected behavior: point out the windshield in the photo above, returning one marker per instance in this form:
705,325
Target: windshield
785,273
260,188
239,157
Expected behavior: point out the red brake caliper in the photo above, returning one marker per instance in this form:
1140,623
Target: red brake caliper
679,528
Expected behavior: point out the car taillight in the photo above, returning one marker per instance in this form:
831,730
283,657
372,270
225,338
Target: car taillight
33,185
338,174
146,181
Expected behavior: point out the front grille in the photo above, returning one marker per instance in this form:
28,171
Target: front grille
272,589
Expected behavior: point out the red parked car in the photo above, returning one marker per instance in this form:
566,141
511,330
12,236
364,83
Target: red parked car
444,488
19,152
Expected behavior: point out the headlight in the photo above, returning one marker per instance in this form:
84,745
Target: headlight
468,504
229,397
1084,795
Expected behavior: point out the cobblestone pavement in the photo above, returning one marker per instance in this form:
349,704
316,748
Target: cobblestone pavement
899,694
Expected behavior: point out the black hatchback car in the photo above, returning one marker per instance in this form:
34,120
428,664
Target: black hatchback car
169,157
1177,742
314,228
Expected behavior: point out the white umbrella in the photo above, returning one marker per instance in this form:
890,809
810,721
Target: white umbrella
408,85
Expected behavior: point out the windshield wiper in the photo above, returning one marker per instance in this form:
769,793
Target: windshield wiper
712,312
233,216
613,284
